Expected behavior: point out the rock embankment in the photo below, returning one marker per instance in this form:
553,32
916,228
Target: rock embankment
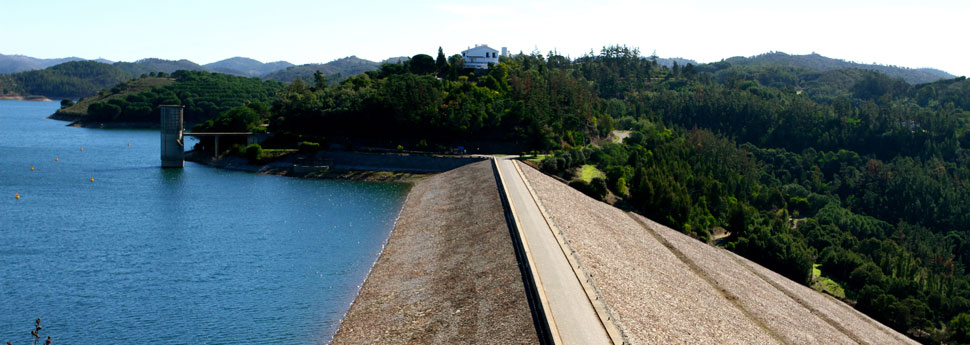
663,287
448,274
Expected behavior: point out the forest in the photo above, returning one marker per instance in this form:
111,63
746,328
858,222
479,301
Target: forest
859,174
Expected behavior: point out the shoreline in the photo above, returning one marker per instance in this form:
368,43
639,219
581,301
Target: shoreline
76,121
284,166
25,98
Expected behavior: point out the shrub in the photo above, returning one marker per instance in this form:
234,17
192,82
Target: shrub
620,187
598,185
254,153
549,165
595,190
309,146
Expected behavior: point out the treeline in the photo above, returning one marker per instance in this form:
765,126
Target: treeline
872,185
428,103
205,95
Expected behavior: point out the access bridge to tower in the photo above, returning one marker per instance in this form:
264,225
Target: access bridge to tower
173,135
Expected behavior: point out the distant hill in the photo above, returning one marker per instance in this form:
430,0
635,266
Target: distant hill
398,59
669,62
246,67
334,70
144,66
72,79
18,63
820,63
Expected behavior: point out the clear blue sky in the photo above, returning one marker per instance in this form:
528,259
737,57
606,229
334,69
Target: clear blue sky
905,33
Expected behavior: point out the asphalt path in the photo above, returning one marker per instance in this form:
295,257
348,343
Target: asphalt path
572,312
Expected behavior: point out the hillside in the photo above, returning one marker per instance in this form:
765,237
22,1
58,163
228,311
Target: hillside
205,95
246,67
821,63
73,79
120,91
333,70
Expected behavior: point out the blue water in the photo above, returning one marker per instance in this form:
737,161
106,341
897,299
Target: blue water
194,256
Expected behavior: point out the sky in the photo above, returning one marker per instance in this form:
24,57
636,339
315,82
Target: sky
914,34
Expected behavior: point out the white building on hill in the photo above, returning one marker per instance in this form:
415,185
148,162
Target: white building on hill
480,56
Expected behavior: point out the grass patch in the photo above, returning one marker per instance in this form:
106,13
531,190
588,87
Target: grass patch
588,171
537,159
824,284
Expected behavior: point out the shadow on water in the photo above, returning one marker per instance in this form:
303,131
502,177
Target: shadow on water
128,169
171,176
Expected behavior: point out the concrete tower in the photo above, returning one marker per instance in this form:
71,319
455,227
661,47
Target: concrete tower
173,148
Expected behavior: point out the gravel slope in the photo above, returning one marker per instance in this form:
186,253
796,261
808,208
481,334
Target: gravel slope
448,274
664,287
654,297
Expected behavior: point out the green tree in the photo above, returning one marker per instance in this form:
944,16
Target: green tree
238,119
441,62
319,81
960,326
422,64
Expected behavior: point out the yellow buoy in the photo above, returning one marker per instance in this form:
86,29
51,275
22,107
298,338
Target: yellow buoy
92,179
31,168
17,196
55,159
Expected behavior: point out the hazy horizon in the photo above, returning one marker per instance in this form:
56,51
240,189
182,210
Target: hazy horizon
899,33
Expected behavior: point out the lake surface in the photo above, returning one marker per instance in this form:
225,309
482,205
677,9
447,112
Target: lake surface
184,256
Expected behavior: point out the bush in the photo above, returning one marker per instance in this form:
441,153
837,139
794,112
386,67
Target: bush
595,190
620,187
550,165
598,185
309,146
66,103
254,153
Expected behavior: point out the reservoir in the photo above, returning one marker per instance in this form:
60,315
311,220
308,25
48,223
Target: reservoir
180,256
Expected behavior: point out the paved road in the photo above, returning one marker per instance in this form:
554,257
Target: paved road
574,316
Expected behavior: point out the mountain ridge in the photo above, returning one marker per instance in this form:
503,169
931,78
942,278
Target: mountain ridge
818,62
246,67
333,70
